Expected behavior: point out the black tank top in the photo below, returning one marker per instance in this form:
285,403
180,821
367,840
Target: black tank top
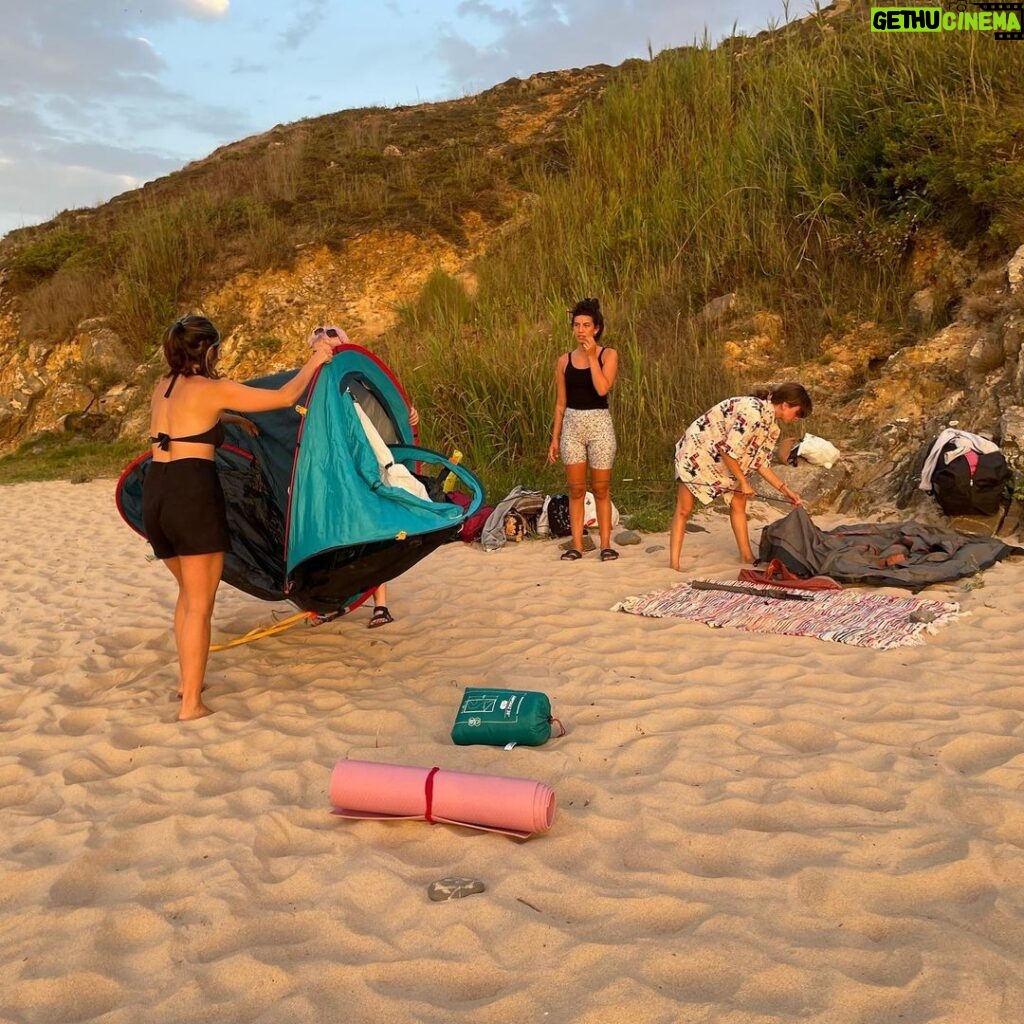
580,392
212,435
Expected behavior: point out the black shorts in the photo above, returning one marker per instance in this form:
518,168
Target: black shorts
183,509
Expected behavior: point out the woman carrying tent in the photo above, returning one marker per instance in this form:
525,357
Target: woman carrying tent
583,432
721,447
183,504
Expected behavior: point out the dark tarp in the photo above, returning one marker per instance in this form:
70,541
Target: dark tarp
909,555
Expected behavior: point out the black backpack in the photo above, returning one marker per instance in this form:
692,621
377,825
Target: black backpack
963,493
558,515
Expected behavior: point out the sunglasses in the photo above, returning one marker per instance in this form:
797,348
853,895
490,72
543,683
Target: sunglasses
330,332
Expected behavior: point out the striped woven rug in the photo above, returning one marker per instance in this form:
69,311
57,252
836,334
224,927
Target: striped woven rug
864,619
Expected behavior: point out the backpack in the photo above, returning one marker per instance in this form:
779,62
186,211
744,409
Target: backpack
558,515
972,484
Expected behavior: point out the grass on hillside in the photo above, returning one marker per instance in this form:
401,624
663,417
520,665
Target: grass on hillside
58,456
145,256
793,171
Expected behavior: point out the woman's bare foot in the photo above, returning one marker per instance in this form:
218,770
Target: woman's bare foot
192,713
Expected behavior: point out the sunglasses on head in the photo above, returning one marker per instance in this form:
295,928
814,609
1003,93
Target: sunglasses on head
330,332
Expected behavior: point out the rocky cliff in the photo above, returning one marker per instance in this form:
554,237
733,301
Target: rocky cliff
883,394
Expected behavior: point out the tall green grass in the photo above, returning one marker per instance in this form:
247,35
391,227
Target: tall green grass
793,171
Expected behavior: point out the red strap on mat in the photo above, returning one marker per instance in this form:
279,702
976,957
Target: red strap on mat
777,575
428,789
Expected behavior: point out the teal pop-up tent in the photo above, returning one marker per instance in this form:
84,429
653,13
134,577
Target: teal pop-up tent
314,516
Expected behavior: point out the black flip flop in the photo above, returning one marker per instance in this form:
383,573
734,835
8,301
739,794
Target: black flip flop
381,617
571,555
609,554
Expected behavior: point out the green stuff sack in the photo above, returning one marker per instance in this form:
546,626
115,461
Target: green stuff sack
499,717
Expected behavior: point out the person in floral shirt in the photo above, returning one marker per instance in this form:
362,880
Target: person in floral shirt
721,447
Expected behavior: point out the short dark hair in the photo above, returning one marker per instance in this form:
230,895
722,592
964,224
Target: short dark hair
591,308
187,345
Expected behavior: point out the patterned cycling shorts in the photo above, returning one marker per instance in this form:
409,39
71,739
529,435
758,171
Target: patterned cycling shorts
588,435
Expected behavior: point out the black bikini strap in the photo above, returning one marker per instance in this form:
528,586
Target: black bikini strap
170,387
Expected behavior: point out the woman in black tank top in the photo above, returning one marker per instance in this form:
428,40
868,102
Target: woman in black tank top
583,433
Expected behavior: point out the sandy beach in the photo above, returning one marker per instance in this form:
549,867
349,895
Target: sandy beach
750,829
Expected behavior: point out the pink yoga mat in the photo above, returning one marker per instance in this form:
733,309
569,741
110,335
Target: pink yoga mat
515,807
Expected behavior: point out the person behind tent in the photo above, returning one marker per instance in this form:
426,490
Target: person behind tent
719,449
583,432
381,614
182,501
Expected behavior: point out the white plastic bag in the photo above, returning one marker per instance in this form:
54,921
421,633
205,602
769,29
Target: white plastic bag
817,451
590,512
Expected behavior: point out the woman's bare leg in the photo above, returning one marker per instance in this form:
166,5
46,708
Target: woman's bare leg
576,479
199,579
738,519
174,564
684,506
600,481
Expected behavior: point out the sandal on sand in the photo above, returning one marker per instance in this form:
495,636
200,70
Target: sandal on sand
609,554
380,617
571,555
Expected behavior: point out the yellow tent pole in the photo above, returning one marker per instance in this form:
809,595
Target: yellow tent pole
262,631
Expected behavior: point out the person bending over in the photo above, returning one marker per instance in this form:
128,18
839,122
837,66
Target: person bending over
721,447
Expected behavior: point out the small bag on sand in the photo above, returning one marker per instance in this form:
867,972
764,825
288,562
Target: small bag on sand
499,717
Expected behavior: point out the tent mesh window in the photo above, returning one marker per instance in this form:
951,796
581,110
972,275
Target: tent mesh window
370,402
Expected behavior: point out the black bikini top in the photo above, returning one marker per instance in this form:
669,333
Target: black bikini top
212,435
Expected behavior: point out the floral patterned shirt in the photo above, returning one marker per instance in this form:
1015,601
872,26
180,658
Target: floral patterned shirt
744,428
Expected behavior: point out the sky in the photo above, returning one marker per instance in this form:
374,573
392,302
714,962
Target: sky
98,97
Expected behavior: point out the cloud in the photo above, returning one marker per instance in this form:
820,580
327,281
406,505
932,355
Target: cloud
81,85
248,67
34,188
207,8
491,43
308,17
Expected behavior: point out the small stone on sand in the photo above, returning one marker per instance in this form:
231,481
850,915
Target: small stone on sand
453,888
